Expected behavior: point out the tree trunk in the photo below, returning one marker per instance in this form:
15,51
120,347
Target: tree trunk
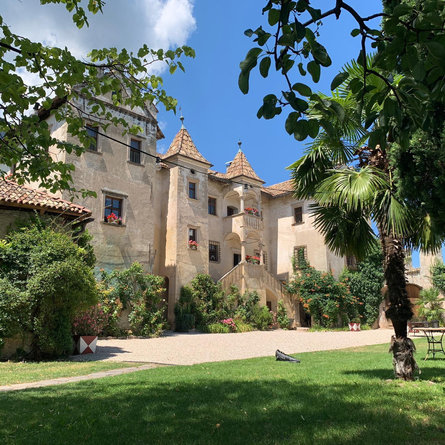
399,311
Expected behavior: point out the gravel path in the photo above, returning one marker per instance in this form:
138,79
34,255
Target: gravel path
190,348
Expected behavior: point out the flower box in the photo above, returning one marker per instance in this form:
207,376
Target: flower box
353,326
252,259
193,245
252,211
112,218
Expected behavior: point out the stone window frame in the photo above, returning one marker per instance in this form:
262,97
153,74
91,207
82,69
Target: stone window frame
218,251
208,206
192,234
134,151
297,216
196,188
106,193
93,125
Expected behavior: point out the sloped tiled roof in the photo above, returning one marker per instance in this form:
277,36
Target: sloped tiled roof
282,188
13,194
183,144
240,166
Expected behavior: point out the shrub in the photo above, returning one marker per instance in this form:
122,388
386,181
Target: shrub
262,318
241,326
217,328
14,311
138,291
438,276
327,300
248,306
56,275
366,284
282,318
90,321
430,305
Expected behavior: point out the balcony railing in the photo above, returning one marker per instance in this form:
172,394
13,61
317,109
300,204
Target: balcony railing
235,223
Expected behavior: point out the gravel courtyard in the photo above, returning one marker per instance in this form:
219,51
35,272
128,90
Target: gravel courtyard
190,348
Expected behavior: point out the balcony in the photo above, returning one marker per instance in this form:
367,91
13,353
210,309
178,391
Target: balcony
236,223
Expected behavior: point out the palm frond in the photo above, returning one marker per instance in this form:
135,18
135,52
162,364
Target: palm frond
345,233
426,236
354,190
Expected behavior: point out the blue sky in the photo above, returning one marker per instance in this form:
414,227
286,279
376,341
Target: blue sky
216,113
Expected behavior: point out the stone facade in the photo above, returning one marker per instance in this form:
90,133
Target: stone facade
163,202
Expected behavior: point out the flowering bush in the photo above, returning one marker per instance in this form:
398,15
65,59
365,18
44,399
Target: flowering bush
253,259
327,300
91,321
252,211
230,323
193,244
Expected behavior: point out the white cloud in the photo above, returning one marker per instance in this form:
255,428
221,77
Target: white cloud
124,24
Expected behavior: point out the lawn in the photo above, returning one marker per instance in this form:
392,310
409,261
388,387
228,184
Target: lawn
332,397
22,372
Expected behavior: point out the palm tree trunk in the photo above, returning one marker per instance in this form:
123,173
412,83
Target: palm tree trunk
399,311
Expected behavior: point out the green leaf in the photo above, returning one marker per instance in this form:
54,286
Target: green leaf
436,49
264,66
248,32
314,70
274,16
313,128
400,10
301,130
320,54
301,69
302,89
355,32
291,121
339,79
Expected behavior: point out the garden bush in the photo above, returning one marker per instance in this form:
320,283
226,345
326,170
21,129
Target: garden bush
282,318
327,300
262,318
366,284
139,292
430,305
54,276
438,276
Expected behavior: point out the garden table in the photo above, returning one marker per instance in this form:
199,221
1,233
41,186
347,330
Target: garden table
435,340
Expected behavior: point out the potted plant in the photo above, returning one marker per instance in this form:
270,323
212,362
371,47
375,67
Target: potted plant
430,306
252,211
87,325
112,218
193,245
252,259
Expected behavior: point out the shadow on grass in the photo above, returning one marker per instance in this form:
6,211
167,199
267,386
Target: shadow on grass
207,410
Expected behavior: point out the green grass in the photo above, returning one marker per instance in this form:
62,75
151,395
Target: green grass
331,397
23,372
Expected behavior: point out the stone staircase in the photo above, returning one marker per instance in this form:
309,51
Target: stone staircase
255,277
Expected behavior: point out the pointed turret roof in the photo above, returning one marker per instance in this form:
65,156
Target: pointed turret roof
240,166
183,145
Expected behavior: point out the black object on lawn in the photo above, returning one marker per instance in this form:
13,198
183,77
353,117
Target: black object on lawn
282,357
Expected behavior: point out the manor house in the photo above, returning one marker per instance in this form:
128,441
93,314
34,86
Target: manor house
178,217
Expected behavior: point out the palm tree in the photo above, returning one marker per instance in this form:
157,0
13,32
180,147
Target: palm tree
354,184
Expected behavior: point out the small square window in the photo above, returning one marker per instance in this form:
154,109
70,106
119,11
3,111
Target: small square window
192,190
298,215
192,235
113,210
212,206
214,253
135,151
92,133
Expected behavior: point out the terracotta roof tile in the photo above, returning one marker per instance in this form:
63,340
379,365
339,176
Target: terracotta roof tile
17,195
183,144
240,166
282,188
